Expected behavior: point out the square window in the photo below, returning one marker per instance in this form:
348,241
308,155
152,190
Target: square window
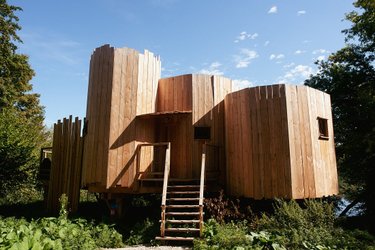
202,133
323,128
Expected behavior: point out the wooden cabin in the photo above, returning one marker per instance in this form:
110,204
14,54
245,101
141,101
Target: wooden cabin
129,105
260,142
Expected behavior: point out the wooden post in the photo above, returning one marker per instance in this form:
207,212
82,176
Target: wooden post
203,166
165,185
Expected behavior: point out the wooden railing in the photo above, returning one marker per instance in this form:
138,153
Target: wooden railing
138,155
201,189
165,185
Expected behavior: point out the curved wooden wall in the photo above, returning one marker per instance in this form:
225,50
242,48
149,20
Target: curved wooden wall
273,145
122,85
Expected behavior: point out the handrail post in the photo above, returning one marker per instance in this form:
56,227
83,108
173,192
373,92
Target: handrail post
165,185
201,188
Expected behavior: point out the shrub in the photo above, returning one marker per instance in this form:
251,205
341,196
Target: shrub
56,233
143,232
312,227
235,236
224,209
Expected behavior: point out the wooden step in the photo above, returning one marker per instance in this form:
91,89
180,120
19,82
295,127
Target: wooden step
184,186
182,199
152,173
170,180
175,238
181,229
183,192
182,213
181,221
182,206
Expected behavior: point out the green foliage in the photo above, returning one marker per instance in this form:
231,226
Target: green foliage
56,233
143,233
235,236
290,227
312,227
15,71
63,213
363,24
19,151
21,115
348,76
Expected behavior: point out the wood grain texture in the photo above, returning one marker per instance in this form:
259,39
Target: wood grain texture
122,85
65,177
272,142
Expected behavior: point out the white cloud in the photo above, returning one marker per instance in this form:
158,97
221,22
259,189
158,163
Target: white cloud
276,57
287,66
213,69
301,12
321,58
298,73
266,43
253,36
320,51
244,35
298,52
273,10
241,84
246,56
52,47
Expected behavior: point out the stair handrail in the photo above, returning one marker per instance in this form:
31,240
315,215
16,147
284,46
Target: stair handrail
167,167
146,144
201,189
165,185
203,166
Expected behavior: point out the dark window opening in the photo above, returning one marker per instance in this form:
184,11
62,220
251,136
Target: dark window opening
202,133
323,128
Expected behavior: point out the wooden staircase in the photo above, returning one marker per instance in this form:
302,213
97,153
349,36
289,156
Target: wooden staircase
183,216
182,206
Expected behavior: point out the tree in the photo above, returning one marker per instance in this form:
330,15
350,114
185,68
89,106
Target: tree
349,77
15,71
21,115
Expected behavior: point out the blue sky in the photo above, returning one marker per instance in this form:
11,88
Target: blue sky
253,42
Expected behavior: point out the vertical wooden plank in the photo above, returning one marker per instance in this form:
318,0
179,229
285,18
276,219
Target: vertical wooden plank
100,109
141,83
295,137
286,152
256,143
134,83
88,137
228,142
90,145
319,164
237,182
304,116
246,143
265,137
271,96
106,116
333,189
324,148
151,76
276,135
120,162
77,164
189,92
114,111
